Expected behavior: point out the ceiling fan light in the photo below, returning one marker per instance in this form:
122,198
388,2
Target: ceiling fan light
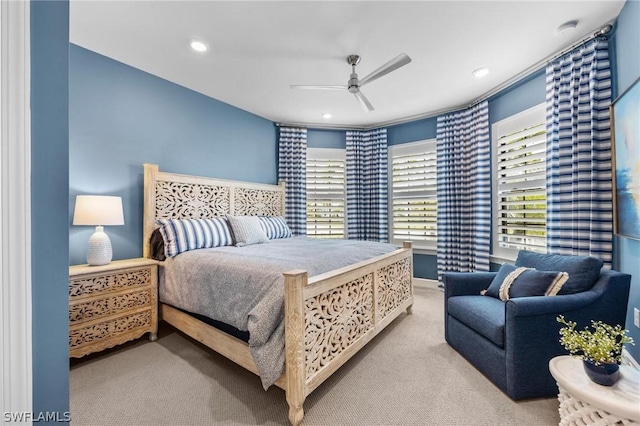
199,46
480,72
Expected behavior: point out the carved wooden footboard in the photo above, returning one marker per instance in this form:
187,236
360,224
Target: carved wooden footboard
328,317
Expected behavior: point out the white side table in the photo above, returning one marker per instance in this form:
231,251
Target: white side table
583,402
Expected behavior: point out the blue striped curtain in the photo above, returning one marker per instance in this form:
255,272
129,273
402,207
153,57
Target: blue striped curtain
292,169
464,190
579,187
367,184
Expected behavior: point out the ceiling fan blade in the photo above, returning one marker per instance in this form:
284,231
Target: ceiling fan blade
318,87
364,102
397,62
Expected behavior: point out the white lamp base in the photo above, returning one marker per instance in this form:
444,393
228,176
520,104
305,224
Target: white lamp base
100,252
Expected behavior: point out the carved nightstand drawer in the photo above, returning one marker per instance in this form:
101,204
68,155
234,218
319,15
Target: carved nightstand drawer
92,308
111,304
102,282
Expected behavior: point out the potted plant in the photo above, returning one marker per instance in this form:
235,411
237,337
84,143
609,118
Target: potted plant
599,348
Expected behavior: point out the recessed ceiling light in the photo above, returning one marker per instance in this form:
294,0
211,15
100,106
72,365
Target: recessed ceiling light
199,46
567,28
327,115
480,72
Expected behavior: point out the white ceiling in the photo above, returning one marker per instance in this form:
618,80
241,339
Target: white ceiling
259,48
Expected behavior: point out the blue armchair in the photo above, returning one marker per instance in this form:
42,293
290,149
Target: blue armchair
512,342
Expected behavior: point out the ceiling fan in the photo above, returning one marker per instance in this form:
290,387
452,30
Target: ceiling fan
354,84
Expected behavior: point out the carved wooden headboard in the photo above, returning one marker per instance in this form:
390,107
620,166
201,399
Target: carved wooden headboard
176,196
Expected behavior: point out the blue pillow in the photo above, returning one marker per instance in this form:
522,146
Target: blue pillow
583,271
531,282
512,282
494,287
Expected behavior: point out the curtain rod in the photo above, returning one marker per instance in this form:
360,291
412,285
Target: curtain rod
604,31
322,127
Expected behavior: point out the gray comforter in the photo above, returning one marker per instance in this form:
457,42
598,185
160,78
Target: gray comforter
244,286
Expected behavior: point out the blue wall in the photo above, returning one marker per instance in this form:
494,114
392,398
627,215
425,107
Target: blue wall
526,93
411,132
323,138
121,117
627,251
49,207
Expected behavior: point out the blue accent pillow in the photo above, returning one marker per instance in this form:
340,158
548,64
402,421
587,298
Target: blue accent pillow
181,235
512,282
275,227
526,282
494,287
583,271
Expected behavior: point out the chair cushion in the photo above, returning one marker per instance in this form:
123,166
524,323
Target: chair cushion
512,282
583,271
485,315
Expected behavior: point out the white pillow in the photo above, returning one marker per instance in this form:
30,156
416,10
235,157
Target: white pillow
247,230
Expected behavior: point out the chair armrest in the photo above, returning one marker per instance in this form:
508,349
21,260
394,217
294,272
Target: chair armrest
466,283
542,305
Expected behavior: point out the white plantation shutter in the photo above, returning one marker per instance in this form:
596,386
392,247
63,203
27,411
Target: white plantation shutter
325,193
520,172
413,200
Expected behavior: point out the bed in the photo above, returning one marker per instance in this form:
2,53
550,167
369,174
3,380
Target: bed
375,291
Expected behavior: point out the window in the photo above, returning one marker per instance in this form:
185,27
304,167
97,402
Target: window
519,167
326,193
412,196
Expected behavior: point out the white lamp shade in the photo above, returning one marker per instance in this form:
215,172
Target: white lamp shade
98,210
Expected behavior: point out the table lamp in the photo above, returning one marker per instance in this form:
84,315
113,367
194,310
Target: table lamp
98,210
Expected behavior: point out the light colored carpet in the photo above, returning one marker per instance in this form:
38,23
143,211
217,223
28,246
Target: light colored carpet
407,375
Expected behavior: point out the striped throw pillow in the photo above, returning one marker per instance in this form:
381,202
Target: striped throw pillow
181,235
275,227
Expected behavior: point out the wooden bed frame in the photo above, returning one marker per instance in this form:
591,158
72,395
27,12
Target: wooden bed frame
328,317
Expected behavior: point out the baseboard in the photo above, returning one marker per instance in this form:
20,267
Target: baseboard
425,283
627,359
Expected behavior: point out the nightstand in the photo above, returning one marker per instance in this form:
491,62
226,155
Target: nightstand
111,304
